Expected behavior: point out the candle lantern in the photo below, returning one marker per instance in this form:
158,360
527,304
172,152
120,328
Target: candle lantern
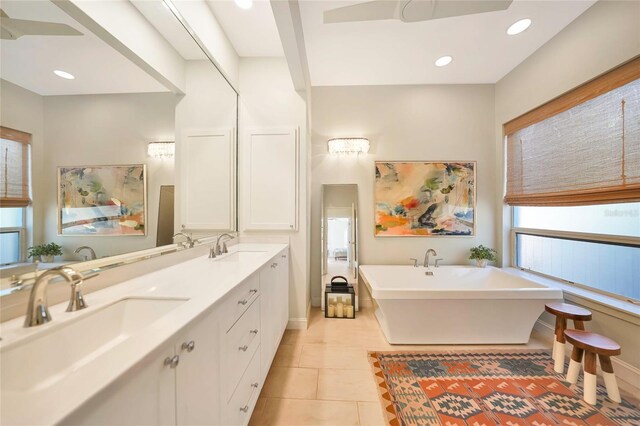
339,299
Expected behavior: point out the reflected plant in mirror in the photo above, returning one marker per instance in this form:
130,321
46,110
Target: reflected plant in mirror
93,123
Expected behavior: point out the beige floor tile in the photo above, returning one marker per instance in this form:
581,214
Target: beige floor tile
299,412
370,414
334,356
256,416
289,382
287,356
347,385
292,337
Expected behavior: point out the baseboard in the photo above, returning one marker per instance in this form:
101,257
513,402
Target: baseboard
297,324
624,371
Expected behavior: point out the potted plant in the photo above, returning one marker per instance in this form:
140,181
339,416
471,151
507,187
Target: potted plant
45,252
482,254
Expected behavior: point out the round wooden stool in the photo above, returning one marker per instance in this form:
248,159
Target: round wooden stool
564,312
592,344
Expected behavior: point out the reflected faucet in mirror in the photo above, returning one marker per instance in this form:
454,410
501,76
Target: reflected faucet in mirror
92,253
189,243
38,309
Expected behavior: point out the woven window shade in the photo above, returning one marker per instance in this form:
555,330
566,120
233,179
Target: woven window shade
14,168
586,154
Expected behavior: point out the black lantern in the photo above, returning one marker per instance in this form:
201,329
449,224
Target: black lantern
339,299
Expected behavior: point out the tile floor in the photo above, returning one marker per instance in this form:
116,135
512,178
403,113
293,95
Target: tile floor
321,376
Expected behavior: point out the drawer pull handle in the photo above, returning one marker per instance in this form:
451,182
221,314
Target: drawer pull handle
274,264
243,348
242,302
284,256
189,346
254,331
172,361
244,409
253,290
254,385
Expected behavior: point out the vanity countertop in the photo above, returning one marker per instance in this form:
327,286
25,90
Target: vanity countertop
201,280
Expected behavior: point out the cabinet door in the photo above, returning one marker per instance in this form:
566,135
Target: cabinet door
283,293
207,180
268,315
198,375
271,186
143,396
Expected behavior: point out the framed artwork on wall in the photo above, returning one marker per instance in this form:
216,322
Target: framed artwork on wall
102,200
425,198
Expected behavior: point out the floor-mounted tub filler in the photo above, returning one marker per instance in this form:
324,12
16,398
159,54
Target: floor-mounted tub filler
455,304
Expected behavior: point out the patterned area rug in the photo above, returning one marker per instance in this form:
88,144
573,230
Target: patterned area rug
487,388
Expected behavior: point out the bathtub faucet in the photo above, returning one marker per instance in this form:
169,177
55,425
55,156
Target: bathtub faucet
426,257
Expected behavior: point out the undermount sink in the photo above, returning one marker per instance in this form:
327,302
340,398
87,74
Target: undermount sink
239,256
41,361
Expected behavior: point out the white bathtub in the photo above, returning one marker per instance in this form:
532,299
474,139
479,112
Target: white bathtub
456,305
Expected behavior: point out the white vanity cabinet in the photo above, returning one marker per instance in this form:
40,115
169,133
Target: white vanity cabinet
177,384
212,371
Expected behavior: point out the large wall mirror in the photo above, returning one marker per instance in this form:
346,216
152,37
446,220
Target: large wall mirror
339,234
88,130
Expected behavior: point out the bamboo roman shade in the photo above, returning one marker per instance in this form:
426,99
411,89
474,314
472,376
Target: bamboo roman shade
582,148
14,168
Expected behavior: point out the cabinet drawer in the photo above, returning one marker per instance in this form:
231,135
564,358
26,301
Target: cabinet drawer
244,399
239,300
239,346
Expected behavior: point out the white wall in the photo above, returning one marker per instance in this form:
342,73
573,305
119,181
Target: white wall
24,110
606,35
269,100
104,130
209,104
447,123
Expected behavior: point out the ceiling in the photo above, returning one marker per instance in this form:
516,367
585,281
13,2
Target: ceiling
392,52
30,60
163,20
252,32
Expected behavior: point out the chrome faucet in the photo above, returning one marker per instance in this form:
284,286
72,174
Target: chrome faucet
189,242
218,250
426,257
92,253
37,310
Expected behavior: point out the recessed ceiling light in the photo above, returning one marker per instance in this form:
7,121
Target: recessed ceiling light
445,60
519,26
244,4
64,74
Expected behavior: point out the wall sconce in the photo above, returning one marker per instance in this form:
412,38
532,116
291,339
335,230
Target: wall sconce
161,149
348,145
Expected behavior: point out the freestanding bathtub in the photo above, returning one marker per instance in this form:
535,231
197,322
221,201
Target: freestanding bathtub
455,305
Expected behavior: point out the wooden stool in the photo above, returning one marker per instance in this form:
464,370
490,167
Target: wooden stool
564,312
592,344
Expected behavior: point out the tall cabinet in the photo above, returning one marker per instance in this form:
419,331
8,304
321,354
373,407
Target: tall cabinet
270,179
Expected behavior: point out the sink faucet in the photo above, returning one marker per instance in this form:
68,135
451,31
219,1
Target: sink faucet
37,310
222,250
92,253
190,241
426,257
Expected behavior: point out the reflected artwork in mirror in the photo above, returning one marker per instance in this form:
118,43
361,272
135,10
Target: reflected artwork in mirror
339,236
90,109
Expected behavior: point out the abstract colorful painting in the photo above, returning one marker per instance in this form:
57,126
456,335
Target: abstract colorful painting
424,198
102,200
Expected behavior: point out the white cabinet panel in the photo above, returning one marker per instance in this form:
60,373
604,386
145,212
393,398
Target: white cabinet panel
198,375
144,396
207,180
271,186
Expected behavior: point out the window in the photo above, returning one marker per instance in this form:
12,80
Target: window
573,180
15,193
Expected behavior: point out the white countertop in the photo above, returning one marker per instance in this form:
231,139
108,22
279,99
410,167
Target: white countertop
202,280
